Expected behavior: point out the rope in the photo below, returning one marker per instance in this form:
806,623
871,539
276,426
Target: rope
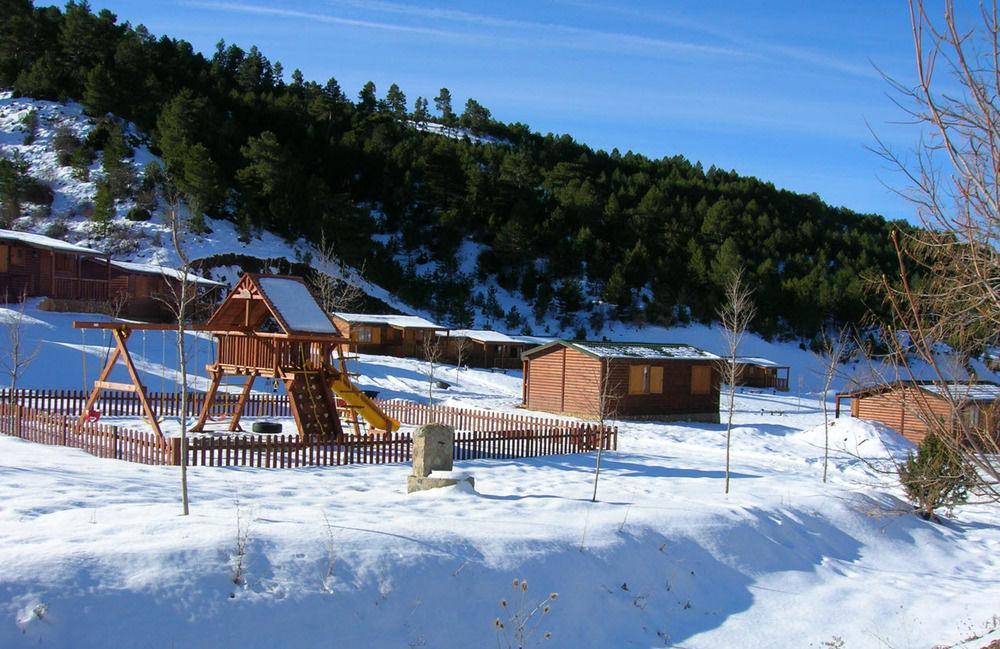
83,353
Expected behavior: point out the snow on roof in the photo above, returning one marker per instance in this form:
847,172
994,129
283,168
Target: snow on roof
965,391
489,336
296,305
651,351
41,241
757,360
400,321
162,270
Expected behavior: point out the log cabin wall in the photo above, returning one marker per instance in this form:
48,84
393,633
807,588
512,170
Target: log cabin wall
564,380
671,389
902,409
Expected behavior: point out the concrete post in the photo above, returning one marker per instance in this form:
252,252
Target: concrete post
434,451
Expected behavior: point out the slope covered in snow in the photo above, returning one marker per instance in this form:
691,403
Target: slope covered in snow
93,552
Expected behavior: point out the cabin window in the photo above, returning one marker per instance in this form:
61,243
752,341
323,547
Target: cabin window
701,379
65,263
645,379
365,334
18,256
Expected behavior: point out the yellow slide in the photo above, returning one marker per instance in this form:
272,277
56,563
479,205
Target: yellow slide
361,403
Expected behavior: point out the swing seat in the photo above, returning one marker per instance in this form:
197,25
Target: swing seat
93,415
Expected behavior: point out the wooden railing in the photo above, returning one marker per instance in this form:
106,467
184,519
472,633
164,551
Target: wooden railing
73,288
268,352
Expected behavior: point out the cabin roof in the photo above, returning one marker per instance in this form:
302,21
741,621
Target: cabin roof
47,243
957,390
153,269
630,350
757,360
392,320
488,336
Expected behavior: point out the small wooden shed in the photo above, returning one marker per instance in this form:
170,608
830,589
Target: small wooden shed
908,406
487,349
387,334
624,380
756,372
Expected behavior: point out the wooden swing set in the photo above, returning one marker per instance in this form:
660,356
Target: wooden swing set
269,326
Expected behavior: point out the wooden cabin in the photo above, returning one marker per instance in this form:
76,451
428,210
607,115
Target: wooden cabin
147,286
34,265
755,372
388,335
487,349
625,380
908,406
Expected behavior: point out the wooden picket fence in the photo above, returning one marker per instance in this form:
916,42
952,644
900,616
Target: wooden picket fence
480,434
126,404
112,403
97,439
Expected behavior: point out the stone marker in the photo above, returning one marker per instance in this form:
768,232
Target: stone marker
433,450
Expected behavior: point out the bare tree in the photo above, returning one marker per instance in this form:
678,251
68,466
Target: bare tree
608,402
948,288
461,347
833,351
181,295
17,354
432,354
735,314
335,294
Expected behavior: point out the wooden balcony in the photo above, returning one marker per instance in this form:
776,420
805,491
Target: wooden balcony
76,288
265,353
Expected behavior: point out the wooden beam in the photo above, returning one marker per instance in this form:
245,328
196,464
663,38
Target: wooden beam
120,338
111,385
199,425
234,423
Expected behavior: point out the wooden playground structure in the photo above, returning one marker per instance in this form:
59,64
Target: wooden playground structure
271,327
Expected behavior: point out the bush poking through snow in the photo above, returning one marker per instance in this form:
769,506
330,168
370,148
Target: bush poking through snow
523,620
244,518
934,478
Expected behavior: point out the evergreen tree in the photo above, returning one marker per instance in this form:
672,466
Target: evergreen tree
420,112
475,116
104,206
200,185
395,101
367,100
443,105
98,91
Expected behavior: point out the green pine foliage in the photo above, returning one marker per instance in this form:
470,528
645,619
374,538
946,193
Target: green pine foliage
649,240
935,477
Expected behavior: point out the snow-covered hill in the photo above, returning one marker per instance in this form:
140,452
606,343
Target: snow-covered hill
94,554
142,241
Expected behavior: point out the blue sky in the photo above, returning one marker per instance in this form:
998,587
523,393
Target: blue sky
781,90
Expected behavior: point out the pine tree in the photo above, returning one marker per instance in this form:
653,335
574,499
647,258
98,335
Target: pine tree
420,112
104,206
98,91
935,477
200,185
475,116
395,100
443,105
367,100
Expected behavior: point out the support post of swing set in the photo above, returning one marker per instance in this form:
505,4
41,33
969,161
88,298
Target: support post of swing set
120,332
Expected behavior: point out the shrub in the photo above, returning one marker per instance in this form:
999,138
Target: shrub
57,229
66,144
30,121
138,214
934,478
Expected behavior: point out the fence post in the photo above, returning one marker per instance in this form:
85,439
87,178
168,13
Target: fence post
18,413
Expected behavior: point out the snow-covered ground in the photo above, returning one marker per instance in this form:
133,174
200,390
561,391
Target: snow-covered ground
93,552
